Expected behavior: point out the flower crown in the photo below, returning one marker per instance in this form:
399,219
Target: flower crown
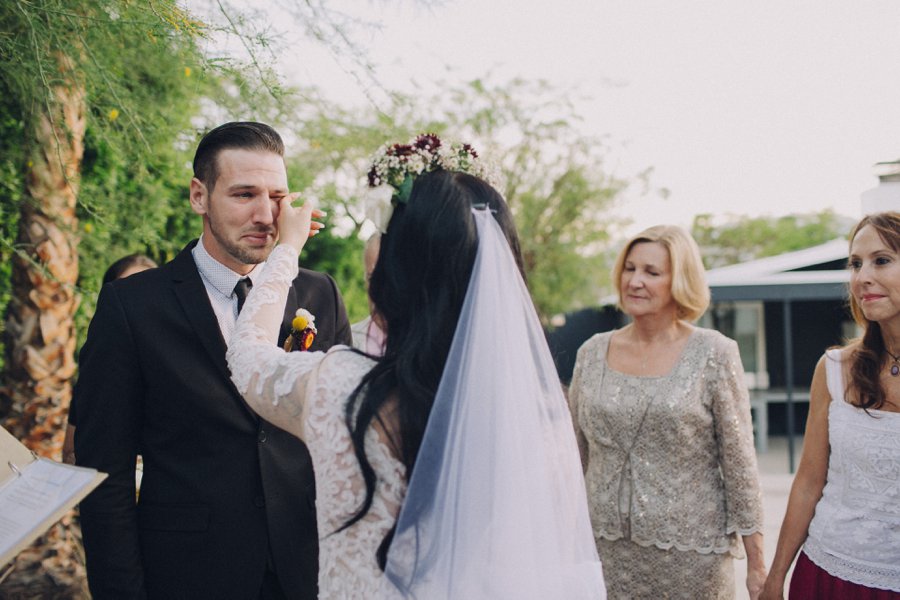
395,167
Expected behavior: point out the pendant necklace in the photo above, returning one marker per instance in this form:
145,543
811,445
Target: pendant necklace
895,368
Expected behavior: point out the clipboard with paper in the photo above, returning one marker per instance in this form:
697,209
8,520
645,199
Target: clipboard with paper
35,493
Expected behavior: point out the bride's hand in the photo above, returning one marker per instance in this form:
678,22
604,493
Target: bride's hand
295,223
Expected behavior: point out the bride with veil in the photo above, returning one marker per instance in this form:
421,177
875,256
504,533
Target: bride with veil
448,467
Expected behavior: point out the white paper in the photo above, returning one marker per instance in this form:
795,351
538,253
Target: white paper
42,488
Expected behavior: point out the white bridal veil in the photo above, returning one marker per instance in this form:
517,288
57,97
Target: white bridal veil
496,505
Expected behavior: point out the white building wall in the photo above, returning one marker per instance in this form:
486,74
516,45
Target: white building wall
884,197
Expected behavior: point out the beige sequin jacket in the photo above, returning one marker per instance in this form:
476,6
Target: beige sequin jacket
669,461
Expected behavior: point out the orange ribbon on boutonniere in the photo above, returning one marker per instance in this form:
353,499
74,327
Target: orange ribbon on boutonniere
303,331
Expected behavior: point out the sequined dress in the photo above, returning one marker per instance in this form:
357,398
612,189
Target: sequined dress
671,469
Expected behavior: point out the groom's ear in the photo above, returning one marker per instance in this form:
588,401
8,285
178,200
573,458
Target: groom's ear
199,197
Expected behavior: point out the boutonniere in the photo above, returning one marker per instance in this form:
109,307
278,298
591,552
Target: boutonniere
303,331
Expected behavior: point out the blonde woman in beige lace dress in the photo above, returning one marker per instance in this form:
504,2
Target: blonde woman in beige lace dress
663,420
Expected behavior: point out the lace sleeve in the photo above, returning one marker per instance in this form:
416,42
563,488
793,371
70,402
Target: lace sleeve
272,381
734,436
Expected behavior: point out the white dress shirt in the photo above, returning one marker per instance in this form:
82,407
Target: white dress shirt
219,282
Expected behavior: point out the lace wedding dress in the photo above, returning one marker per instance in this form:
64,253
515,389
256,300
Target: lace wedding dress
496,506
305,393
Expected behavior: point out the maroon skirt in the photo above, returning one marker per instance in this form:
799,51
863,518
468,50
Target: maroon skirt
811,582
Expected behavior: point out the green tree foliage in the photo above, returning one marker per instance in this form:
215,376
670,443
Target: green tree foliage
127,207
556,182
342,258
551,173
734,239
11,168
143,75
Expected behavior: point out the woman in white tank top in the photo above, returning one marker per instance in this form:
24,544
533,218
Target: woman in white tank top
844,506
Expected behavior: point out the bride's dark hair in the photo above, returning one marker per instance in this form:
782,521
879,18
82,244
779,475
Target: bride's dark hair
417,288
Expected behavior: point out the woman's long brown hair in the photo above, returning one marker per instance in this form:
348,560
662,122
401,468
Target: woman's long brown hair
864,388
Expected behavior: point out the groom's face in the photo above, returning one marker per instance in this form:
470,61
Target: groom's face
240,212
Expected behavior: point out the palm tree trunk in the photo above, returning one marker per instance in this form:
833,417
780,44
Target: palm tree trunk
40,333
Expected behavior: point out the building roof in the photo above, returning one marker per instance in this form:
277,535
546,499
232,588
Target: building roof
789,276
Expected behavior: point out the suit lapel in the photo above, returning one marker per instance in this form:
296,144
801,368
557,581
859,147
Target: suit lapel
290,307
194,300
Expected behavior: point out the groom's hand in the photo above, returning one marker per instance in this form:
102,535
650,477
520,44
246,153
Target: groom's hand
295,223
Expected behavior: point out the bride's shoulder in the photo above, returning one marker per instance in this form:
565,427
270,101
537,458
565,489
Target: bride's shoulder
336,375
344,360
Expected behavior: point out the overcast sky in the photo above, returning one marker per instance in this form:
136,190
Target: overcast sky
745,107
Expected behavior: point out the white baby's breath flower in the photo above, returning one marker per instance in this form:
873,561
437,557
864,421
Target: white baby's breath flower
450,162
417,164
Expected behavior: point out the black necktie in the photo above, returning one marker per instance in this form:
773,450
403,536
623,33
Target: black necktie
241,289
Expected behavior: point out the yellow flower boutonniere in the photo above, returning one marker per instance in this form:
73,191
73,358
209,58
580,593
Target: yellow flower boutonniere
303,331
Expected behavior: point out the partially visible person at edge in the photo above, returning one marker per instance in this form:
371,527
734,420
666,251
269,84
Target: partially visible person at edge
662,414
843,513
368,336
125,266
227,503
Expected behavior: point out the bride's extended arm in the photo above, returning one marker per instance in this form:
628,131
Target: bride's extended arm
272,381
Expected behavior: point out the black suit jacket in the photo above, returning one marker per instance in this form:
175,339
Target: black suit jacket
222,490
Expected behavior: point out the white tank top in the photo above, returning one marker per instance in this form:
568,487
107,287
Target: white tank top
855,532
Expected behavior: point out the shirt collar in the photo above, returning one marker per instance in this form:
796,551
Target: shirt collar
218,275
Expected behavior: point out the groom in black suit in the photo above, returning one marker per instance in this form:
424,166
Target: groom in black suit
227,501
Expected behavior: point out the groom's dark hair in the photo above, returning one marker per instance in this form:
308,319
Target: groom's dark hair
243,135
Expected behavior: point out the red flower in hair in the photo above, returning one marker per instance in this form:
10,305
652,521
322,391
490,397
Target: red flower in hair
428,141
